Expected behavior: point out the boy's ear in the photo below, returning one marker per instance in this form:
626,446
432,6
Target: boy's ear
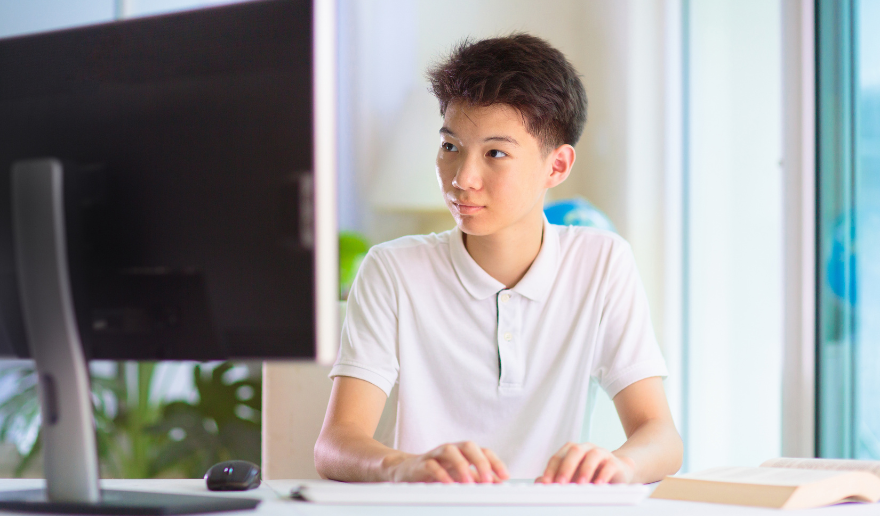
561,160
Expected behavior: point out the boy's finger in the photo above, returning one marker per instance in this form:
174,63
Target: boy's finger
498,467
550,471
587,468
569,464
475,456
605,472
553,464
455,463
437,472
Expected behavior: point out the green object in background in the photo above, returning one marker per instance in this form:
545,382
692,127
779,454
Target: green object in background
222,424
20,415
121,409
139,435
352,248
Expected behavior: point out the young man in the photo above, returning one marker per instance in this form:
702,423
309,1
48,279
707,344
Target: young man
492,331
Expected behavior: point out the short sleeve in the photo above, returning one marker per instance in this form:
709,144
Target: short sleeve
369,340
627,347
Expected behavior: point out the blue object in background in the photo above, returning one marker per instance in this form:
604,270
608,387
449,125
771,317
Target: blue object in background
841,264
577,212
854,258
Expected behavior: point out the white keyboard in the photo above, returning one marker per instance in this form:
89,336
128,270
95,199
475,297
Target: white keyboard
508,493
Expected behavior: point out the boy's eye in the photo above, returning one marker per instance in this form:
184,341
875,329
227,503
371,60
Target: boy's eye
495,153
448,147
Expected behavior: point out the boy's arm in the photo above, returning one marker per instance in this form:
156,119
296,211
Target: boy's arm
653,448
347,451
652,441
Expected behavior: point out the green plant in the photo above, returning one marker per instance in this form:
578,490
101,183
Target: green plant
123,412
139,435
352,248
223,424
20,414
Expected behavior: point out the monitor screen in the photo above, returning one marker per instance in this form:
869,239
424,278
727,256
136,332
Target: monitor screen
166,192
187,143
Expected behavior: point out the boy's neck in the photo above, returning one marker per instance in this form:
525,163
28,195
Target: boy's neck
508,254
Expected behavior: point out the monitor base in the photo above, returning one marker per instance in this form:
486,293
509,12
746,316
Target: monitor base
124,502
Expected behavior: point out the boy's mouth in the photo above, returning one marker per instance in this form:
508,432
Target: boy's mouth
467,209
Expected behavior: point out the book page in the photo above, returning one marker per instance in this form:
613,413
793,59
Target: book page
763,476
871,466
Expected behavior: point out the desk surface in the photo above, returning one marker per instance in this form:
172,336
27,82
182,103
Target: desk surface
275,502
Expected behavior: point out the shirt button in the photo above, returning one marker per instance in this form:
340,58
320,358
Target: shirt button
508,336
505,298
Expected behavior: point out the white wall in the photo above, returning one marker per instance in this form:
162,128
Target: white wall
736,239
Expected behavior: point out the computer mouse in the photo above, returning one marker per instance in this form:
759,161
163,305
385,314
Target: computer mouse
233,475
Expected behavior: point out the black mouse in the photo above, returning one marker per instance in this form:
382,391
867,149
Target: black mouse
233,475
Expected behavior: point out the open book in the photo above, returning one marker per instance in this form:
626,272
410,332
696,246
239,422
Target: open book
779,483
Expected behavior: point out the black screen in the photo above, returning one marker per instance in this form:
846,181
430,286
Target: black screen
186,141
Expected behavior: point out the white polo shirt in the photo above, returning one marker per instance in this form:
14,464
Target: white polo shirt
509,369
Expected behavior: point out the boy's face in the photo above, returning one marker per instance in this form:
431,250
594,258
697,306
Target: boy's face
492,172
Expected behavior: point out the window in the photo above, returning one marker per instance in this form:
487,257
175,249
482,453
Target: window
848,140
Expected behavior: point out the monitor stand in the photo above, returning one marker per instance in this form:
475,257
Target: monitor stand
68,432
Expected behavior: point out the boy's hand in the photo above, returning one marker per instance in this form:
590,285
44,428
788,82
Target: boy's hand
463,462
584,463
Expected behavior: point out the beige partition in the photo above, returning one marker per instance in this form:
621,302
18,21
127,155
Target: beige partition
295,396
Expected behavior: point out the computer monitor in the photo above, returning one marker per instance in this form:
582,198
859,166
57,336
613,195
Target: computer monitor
166,192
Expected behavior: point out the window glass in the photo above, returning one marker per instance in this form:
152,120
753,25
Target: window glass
134,8
848,96
18,18
867,229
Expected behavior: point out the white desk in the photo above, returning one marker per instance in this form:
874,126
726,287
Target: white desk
276,503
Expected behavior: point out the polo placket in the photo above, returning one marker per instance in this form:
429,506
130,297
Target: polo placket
511,355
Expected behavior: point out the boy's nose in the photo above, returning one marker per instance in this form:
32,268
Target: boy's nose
467,177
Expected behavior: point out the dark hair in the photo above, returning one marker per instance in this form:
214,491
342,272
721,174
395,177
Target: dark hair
519,70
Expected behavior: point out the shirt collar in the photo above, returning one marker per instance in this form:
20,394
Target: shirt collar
535,285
